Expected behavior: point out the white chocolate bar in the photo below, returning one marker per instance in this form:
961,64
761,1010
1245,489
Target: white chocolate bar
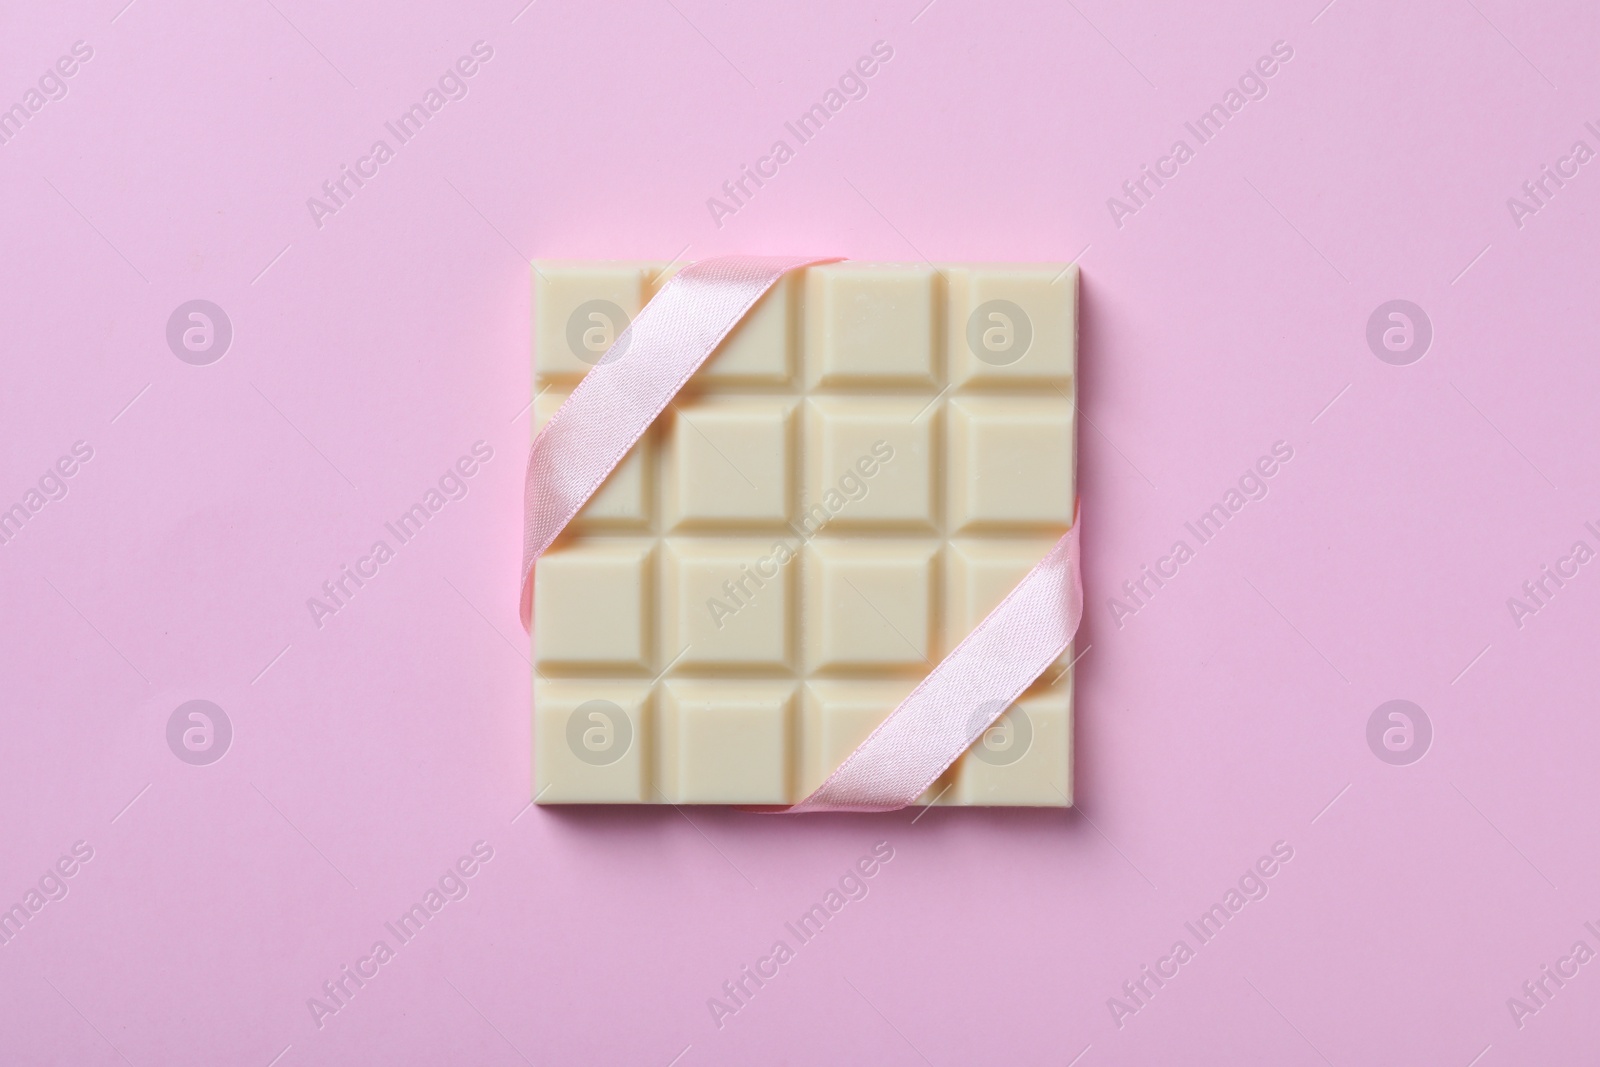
867,465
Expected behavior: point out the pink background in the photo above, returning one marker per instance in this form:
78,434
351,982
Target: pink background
1228,714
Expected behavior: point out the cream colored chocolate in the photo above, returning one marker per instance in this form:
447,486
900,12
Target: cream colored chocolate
867,465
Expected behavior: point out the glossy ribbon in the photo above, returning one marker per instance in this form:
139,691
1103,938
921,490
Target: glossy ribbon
965,693
614,405
633,383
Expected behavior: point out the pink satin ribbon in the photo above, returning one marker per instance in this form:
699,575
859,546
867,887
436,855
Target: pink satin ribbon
618,400
615,404
965,693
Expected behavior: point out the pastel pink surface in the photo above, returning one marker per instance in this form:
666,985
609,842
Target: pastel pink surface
372,751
